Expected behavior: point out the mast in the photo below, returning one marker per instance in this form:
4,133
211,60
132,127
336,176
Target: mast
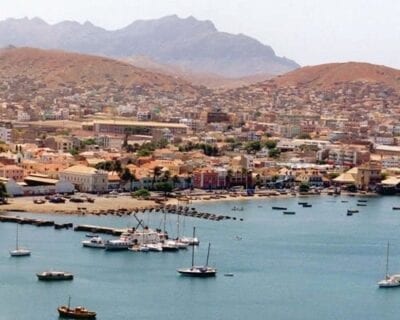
177,227
69,302
387,261
194,233
16,239
208,253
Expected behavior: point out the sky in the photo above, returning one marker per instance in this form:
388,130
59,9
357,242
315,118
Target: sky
307,31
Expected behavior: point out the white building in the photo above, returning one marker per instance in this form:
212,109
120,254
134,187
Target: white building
86,179
5,134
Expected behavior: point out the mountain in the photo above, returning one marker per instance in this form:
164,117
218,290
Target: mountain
27,73
209,80
334,74
188,43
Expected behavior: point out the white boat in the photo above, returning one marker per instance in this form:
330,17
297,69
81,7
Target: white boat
157,247
139,248
199,271
117,244
55,276
95,242
190,241
390,281
169,245
19,252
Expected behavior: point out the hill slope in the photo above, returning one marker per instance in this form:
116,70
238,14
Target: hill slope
188,43
28,72
333,74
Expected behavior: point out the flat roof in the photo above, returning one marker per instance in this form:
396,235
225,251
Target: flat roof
141,123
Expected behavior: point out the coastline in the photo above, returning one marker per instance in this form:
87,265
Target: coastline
104,205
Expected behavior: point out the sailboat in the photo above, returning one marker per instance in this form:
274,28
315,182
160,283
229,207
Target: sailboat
19,252
390,281
199,271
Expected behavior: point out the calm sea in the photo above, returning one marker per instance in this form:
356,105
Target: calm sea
317,264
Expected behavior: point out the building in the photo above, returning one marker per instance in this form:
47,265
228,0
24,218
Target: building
134,127
5,132
209,178
217,116
12,172
86,179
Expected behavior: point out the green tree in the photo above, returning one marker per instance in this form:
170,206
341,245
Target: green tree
3,192
304,187
253,146
274,153
165,187
141,193
270,144
156,174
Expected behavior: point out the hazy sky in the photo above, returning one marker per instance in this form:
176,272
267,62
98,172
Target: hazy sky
308,31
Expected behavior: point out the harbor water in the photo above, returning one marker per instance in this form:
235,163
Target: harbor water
316,264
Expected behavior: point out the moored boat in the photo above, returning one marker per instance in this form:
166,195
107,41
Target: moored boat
19,252
54,276
199,271
390,281
279,208
75,313
289,212
95,242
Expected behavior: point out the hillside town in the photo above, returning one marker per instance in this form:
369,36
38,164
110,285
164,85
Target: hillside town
259,137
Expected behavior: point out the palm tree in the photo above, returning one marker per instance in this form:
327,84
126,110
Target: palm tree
127,175
175,180
156,174
166,176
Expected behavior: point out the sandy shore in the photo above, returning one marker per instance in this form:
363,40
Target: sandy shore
26,204
101,203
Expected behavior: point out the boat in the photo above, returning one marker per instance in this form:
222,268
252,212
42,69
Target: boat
360,200
139,248
228,274
289,212
396,208
351,211
19,252
91,235
307,205
199,271
361,204
157,247
302,203
75,313
279,208
94,242
54,276
390,281
190,241
117,245
237,208
39,201
169,245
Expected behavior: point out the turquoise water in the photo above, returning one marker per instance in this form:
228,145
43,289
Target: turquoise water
317,264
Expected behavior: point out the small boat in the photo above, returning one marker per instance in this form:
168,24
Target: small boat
116,245
361,204
344,201
302,203
199,271
157,247
54,276
362,200
190,241
39,201
19,252
228,274
139,248
91,235
95,242
351,211
75,313
390,281
307,205
279,208
169,245
396,208
289,212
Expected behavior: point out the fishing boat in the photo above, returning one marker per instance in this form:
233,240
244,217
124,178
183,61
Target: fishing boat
396,208
361,204
94,242
390,281
289,212
279,208
351,211
54,276
302,203
199,271
19,252
75,313
307,205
